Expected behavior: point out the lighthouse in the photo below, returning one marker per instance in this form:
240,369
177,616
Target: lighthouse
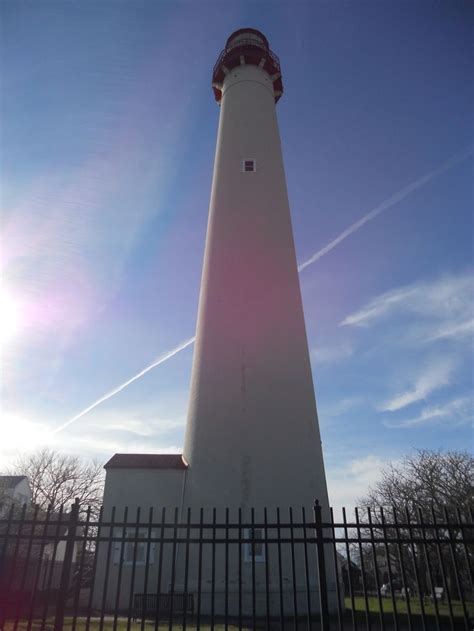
252,435
252,443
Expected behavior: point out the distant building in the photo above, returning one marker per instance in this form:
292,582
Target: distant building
383,570
347,583
14,489
33,554
53,553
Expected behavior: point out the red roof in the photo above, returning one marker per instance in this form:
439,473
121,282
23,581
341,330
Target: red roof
146,461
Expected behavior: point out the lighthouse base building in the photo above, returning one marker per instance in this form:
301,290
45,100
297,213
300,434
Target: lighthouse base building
252,454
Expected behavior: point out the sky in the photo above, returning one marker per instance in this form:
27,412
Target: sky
108,128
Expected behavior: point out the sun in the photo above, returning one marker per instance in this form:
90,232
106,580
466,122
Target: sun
10,316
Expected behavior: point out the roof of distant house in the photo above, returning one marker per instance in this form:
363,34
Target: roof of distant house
146,461
10,481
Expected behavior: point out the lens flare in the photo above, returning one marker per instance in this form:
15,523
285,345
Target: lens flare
10,316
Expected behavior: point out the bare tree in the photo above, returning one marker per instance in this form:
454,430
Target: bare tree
56,479
425,478
436,483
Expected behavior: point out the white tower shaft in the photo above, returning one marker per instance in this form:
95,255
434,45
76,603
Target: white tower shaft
252,435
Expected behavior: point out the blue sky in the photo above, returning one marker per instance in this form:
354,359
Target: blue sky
108,131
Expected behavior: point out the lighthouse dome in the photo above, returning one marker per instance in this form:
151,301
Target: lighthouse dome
245,36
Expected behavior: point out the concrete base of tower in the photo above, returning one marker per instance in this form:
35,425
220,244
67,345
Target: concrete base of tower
234,604
230,558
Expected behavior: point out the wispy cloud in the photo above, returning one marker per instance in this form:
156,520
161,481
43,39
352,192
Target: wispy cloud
144,427
443,306
348,482
372,312
455,331
455,412
109,395
339,407
388,203
380,306
129,429
432,378
331,354
68,234
101,448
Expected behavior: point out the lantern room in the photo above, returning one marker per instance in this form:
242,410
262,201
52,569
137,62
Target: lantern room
247,46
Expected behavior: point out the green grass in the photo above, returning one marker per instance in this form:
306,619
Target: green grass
359,602
401,606
121,625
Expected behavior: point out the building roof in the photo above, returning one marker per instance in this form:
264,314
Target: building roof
146,461
10,481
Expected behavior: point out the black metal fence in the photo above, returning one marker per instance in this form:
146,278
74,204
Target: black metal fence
257,569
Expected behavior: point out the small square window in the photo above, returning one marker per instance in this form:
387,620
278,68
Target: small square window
249,166
255,548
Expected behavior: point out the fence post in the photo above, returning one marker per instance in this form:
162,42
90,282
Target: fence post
323,588
67,566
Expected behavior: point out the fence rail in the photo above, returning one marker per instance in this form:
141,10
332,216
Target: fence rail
257,569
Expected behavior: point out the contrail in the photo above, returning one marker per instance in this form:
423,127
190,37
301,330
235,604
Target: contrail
388,203
116,390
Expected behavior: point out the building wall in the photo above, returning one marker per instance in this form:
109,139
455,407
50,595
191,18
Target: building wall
132,489
22,492
168,560
19,495
142,488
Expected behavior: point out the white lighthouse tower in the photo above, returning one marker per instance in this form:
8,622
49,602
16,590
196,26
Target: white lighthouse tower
252,435
252,443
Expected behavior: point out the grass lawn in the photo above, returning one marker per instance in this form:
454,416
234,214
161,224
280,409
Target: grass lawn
387,606
401,606
121,626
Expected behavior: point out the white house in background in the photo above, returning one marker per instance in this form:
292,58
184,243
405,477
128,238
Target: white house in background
14,489
55,551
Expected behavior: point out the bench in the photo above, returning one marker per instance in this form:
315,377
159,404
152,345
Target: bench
147,605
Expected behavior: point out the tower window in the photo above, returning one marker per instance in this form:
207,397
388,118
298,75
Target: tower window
249,166
255,548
